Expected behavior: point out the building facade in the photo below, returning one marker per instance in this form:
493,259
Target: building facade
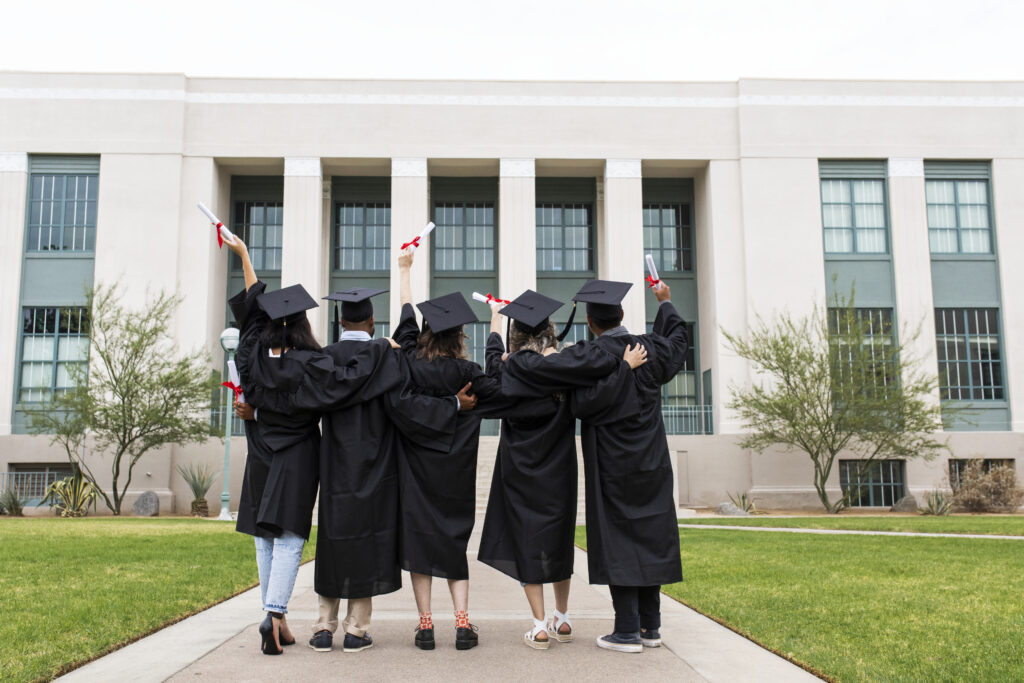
754,197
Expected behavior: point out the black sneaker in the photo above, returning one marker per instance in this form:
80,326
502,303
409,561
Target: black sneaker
621,642
650,637
425,638
466,638
354,643
322,641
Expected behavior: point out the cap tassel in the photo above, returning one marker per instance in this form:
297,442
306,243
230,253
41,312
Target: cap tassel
337,324
508,330
568,325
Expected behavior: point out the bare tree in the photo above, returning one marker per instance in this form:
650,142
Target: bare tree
838,381
136,393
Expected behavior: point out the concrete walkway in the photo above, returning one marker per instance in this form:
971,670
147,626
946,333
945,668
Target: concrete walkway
222,643
850,532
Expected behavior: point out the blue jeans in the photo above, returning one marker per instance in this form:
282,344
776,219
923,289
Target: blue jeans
278,562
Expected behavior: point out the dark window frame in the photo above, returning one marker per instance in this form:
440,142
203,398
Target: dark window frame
461,229
946,340
682,253
544,218
379,257
47,214
48,325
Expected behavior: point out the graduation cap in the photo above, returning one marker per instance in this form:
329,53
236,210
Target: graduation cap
603,299
355,303
531,310
288,305
448,311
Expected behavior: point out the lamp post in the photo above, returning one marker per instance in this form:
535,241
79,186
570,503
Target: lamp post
228,342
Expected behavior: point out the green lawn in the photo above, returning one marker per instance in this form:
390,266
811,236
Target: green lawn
72,589
863,608
958,524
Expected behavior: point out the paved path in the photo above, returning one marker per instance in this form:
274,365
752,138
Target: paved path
222,643
854,532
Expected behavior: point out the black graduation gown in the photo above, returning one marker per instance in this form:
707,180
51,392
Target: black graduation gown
280,485
438,488
632,532
357,546
531,511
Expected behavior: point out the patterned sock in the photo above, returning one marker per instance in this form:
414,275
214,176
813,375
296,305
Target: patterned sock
426,622
461,619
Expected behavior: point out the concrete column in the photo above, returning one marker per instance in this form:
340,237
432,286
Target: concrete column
410,211
721,283
911,262
1008,202
202,267
303,258
621,236
13,190
517,227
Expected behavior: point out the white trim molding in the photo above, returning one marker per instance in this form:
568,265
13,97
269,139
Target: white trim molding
517,168
622,168
906,167
409,167
302,167
13,162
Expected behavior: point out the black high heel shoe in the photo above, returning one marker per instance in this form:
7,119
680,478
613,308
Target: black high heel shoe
268,646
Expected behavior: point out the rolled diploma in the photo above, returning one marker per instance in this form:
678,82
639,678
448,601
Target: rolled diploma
653,271
477,296
233,375
226,234
423,235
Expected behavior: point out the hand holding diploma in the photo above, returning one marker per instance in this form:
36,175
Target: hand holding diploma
235,384
223,234
419,238
653,277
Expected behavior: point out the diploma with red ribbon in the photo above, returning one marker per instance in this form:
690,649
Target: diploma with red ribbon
223,234
235,383
488,299
420,237
652,279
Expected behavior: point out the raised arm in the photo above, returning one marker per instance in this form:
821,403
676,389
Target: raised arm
674,342
243,253
405,259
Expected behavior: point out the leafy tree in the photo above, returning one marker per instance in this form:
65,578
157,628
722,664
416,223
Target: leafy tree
836,382
136,393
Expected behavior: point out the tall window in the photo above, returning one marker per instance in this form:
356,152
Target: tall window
464,237
970,365
854,216
876,484
565,237
878,337
667,236
362,236
62,212
958,216
260,225
53,342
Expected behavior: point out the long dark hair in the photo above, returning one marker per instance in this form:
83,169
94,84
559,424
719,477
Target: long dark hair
448,344
297,334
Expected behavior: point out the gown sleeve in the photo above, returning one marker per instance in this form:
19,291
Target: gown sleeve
251,321
580,365
672,341
614,397
428,420
499,405
408,331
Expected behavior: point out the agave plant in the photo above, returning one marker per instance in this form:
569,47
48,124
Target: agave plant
936,503
744,502
71,496
199,479
11,502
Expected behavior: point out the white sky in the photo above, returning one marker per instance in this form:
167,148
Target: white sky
521,39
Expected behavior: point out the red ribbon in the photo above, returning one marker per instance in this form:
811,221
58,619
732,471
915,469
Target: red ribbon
415,243
220,240
654,283
234,387
496,300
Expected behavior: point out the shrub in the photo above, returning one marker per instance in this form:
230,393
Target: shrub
12,502
994,490
71,496
199,479
936,503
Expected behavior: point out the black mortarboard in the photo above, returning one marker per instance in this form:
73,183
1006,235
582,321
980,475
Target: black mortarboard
446,312
531,310
603,299
355,303
289,304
